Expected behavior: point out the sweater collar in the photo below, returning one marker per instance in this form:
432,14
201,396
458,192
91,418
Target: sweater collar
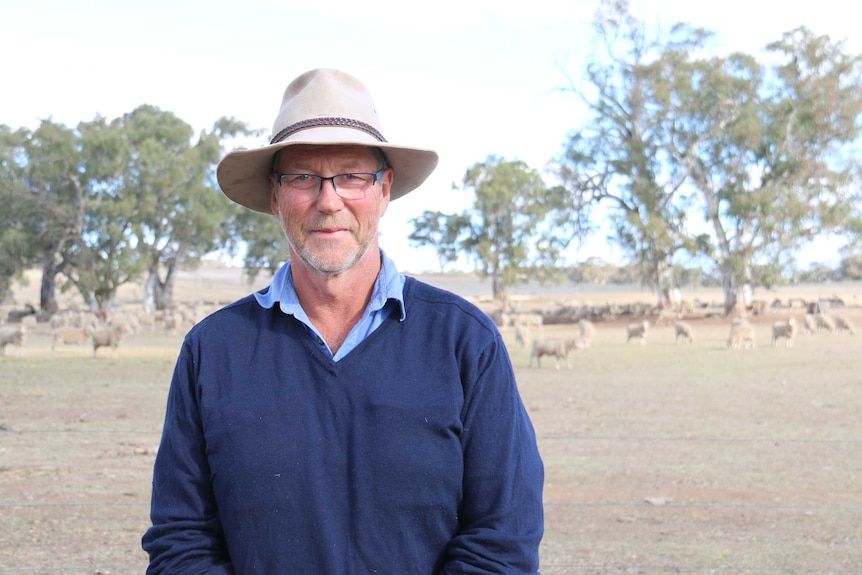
388,286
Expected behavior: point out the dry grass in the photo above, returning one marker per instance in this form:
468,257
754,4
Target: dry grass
662,458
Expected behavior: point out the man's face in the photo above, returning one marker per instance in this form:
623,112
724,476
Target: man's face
326,232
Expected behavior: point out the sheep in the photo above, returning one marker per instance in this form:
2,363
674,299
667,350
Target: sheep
528,319
809,325
71,335
587,331
824,323
12,335
147,320
552,346
741,335
129,322
843,324
785,329
107,337
637,330
59,320
522,335
172,322
683,332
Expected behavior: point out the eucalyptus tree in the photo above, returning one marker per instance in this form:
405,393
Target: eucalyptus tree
178,213
514,231
18,250
50,192
766,147
619,161
722,158
107,202
150,203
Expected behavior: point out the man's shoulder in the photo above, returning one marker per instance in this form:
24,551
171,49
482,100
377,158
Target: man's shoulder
242,311
418,293
418,289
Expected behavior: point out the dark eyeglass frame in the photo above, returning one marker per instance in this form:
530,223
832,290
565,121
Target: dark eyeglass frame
352,193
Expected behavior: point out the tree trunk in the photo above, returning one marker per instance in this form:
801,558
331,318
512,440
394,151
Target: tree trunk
497,287
734,294
48,287
149,298
661,294
158,294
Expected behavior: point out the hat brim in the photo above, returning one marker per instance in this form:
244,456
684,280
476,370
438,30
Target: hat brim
243,175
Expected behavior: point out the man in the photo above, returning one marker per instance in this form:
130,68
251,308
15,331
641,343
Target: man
346,419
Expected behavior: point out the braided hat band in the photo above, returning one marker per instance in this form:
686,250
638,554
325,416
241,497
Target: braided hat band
332,122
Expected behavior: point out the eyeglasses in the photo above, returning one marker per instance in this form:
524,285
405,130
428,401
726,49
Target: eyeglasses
347,186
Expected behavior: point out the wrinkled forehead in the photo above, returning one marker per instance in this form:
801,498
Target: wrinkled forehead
312,156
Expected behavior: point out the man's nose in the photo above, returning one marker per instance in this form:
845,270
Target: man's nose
328,194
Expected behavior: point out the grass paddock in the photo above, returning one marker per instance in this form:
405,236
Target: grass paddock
661,458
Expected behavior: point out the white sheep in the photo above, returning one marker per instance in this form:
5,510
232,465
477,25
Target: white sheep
784,329
107,337
637,330
552,346
809,324
741,335
824,322
147,320
529,319
683,332
522,335
129,322
586,333
843,324
13,335
71,335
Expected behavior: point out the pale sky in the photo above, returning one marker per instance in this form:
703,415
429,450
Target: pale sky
468,78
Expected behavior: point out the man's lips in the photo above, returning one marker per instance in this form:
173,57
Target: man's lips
328,231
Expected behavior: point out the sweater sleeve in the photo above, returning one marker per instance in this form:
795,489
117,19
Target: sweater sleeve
186,534
501,517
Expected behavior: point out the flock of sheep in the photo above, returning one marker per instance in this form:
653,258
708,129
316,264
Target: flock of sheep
100,330
109,330
742,334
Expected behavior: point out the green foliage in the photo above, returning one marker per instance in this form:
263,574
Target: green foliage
261,237
515,230
109,201
442,232
722,158
17,251
851,267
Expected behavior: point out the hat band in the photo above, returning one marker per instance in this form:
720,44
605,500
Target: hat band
321,122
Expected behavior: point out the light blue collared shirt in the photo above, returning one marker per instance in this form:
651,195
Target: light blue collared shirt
389,287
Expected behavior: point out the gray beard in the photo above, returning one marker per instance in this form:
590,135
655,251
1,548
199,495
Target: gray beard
311,260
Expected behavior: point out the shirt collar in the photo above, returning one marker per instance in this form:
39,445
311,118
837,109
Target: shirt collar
388,286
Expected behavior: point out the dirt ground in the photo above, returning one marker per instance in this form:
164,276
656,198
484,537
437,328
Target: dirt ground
660,458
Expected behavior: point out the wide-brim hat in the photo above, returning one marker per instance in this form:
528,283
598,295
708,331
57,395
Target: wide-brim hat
321,107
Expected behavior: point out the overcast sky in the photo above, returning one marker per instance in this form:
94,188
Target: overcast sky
468,78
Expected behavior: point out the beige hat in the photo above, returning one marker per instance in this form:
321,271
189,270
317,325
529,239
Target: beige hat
321,107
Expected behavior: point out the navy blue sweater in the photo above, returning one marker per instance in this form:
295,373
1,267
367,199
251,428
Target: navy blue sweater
413,454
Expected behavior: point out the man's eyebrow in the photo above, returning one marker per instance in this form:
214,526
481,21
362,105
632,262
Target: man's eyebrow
344,168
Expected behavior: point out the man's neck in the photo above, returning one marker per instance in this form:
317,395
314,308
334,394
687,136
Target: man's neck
334,303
